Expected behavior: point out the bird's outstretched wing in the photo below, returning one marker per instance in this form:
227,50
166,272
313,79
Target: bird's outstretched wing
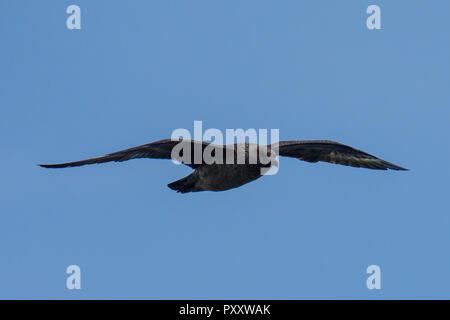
161,149
333,152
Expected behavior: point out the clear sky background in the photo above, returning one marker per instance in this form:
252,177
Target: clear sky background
139,69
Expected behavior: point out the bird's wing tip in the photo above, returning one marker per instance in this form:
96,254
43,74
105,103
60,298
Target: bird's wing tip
47,166
398,168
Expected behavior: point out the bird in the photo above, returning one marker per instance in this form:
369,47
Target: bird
223,174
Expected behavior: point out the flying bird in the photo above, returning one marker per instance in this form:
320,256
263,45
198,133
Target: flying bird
225,175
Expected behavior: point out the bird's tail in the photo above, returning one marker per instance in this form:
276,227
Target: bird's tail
186,184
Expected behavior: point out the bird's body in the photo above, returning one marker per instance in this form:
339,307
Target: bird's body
217,177
237,164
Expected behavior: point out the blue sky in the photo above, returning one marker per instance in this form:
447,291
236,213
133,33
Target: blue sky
138,70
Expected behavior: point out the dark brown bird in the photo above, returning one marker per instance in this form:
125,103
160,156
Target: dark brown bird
236,164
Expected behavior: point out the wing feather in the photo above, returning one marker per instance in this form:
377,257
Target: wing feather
333,152
161,149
